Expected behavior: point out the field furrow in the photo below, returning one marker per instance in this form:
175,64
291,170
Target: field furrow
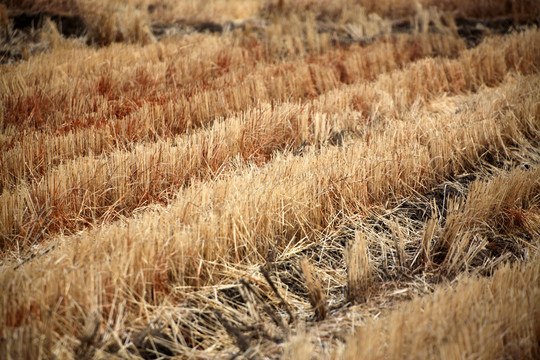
112,185
239,219
172,95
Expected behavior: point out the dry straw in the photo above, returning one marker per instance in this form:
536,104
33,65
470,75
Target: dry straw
377,180
359,272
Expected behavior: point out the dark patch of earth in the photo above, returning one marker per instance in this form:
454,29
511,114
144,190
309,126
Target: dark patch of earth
73,26
68,26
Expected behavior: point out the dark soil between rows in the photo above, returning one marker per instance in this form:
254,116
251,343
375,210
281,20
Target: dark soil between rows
23,25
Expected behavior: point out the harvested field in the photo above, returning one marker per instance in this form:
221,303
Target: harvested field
269,179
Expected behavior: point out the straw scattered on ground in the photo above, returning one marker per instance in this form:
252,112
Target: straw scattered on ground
277,179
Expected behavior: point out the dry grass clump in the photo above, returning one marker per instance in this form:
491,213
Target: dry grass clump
113,185
180,75
271,187
484,318
115,22
358,269
22,159
75,208
233,222
200,12
316,295
122,181
498,207
337,11
451,232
